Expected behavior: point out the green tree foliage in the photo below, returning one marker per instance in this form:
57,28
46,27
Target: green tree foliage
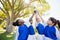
2,17
3,25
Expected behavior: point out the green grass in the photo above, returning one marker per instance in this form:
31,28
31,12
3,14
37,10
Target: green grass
6,36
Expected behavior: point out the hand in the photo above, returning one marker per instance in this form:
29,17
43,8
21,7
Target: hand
31,21
35,11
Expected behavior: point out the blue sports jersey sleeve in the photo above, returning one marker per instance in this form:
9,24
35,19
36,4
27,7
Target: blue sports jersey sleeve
40,28
31,30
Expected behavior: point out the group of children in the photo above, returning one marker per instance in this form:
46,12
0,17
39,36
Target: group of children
46,30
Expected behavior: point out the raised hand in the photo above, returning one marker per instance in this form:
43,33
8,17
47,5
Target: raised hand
35,11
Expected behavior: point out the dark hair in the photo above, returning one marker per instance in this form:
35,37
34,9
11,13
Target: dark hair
55,21
58,22
16,23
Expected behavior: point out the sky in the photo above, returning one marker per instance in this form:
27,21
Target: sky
54,9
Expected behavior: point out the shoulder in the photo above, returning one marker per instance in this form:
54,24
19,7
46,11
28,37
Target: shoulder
39,24
25,25
46,26
43,23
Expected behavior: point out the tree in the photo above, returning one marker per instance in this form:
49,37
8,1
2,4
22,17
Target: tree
14,9
2,17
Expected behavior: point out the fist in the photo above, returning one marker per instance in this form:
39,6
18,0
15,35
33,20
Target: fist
35,11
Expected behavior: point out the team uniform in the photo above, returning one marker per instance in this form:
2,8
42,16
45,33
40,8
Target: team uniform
40,29
25,32
47,32
51,32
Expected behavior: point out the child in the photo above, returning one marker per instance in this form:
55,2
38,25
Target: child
39,27
23,31
50,31
31,30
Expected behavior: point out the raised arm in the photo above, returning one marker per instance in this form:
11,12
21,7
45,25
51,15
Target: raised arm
41,18
38,17
31,29
30,20
39,26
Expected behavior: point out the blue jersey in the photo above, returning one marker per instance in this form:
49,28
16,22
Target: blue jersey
24,31
40,28
31,30
50,32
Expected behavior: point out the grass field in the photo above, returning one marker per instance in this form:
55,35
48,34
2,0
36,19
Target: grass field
6,36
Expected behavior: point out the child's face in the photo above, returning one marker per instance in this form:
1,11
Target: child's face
49,22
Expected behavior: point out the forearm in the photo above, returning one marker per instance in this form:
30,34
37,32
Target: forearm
31,17
30,20
37,18
41,18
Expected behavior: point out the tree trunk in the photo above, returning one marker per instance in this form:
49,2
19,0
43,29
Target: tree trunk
9,26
